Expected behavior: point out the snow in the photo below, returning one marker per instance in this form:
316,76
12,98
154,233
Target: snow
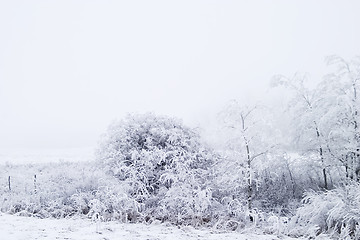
45,155
16,227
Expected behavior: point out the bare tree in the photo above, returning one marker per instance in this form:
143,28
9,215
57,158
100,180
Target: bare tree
246,137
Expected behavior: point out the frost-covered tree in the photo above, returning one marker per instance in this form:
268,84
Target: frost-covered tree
162,161
344,139
307,107
326,119
247,145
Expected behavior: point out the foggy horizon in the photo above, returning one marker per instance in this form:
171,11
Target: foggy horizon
69,68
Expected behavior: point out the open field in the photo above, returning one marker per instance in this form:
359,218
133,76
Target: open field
25,228
45,155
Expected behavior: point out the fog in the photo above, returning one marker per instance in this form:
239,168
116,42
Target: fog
69,68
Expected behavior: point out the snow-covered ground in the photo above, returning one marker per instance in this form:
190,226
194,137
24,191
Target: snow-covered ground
26,228
45,155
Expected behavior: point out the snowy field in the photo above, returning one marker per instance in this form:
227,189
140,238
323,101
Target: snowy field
45,155
17,227
26,228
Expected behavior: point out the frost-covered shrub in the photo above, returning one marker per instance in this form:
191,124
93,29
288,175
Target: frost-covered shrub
229,190
230,186
154,168
184,204
162,162
279,188
335,212
61,190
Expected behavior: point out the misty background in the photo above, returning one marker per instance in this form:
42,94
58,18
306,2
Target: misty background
69,68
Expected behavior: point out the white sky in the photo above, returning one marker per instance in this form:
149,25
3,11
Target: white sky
68,68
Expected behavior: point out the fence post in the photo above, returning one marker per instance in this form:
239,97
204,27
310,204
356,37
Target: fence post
9,183
35,184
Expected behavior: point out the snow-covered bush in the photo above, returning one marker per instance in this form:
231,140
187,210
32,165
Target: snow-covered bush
162,162
61,190
335,212
155,168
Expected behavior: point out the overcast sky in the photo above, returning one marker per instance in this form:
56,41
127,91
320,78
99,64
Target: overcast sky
68,68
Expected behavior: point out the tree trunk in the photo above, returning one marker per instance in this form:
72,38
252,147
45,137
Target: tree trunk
325,179
292,179
347,168
249,183
322,158
249,186
323,170
357,136
248,174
